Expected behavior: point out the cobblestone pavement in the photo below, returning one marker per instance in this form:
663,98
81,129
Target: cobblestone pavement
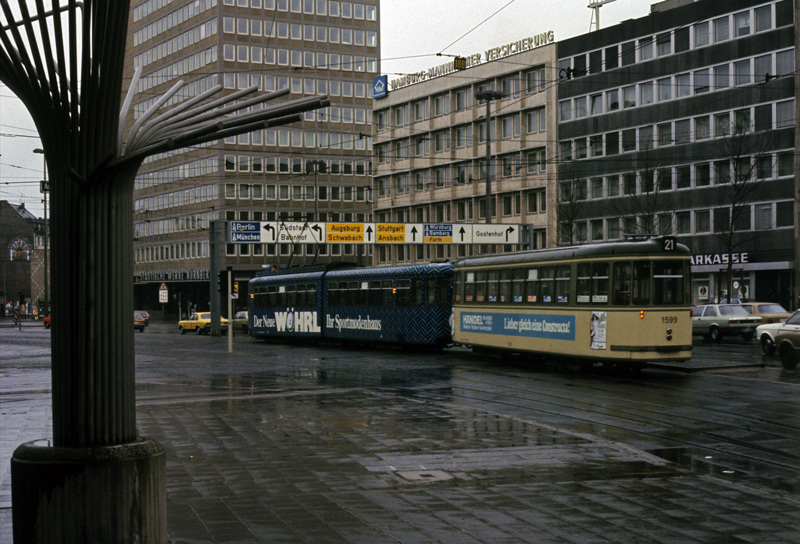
301,450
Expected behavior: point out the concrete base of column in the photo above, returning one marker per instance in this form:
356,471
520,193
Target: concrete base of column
80,495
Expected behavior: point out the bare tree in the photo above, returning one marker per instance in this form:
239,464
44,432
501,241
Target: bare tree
572,194
742,155
643,200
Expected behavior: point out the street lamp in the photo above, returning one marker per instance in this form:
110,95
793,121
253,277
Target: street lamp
317,167
488,96
45,189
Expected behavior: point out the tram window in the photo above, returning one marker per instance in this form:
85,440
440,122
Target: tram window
641,282
430,292
343,297
583,288
563,274
281,295
493,286
311,294
518,285
600,283
546,284
357,293
403,292
387,293
469,287
505,286
272,298
418,292
668,283
333,293
290,298
622,284
374,293
532,285
442,297
480,286
458,287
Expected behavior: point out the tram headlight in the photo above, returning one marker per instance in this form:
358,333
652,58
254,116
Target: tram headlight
669,334
641,314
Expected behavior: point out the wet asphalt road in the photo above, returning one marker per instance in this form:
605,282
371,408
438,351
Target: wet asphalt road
298,443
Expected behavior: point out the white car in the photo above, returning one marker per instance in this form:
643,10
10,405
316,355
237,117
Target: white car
782,337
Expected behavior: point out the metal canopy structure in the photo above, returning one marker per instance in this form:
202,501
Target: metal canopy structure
64,59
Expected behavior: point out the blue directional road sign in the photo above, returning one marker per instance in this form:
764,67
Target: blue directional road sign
245,232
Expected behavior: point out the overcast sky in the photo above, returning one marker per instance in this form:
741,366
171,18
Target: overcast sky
412,33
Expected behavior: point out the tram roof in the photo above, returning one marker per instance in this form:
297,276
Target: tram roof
638,248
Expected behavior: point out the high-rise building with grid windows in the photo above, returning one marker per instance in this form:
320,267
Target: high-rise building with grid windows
315,170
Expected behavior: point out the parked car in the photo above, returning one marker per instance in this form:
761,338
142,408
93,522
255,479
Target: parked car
783,337
46,322
240,321
769,312
145,315
200,323
713,321
139,322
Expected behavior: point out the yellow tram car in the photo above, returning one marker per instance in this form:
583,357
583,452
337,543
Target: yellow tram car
624,303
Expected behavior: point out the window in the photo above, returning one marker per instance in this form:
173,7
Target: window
646,93
763,216
565,109
722,172
612,143
763,68
629,140
664,89
612,100
665,134
742,72
612,57
702,221
721,29
664,44
784,114
763,18
628,53
741,24
683,86
722,77
785,164
701,34
702,175
684,177
646,49
629,97
684,222
701,81
597,104
580,107
763,115
682,132
722,124
612,185
682,39
784,214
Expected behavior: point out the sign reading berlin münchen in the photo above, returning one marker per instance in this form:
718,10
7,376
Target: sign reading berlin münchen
495,53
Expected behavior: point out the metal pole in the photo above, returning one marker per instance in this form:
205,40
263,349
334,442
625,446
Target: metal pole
213,257
488,161
45,190
230,313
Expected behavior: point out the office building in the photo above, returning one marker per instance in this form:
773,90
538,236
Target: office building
430,148
314,170
683,122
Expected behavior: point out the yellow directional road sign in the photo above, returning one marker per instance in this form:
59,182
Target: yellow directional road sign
345,233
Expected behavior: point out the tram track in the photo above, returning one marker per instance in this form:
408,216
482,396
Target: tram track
654,427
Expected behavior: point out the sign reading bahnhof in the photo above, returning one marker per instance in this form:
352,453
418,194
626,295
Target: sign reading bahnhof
261,232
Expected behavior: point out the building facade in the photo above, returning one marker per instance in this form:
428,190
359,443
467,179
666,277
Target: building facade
430,148
318,169
683,122
19,228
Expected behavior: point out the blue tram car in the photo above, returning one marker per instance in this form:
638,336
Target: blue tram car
404,305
